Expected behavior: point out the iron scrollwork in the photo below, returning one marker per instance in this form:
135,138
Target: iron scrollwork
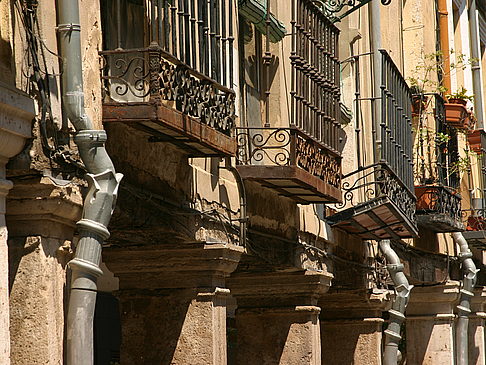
332,7
130,76
317,161
438,199
376,181
266,145
277,146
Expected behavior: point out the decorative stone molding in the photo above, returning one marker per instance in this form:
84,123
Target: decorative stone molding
38,207
172,266
16,114
355,304
433,301
279,289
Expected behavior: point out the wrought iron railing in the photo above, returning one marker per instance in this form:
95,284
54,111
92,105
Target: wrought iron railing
437,155
144,74
288,147
315,74
197,33
396,121
391,174
438,200
374,182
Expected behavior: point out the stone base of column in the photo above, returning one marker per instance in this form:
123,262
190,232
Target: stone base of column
277,319
430,324
173,302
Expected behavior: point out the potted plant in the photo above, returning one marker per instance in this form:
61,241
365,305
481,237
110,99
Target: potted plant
474,140
460,97
457,114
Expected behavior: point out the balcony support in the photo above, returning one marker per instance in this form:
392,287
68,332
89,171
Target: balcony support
277,317
173,301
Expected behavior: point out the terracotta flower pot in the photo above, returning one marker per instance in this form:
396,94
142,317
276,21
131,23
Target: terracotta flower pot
425,197
474,139
476,223
457,116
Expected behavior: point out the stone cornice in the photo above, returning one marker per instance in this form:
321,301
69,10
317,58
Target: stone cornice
16,114
163,265
38,207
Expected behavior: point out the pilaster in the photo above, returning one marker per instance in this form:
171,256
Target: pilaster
16,114
477,338
277,318
430,324
41,219
352,326
173,302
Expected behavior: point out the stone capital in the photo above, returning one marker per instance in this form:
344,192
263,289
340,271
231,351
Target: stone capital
37,207
478,302
355,304
165,266
282,289
435,302
16,115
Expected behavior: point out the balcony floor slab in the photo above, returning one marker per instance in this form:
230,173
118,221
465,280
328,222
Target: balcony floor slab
293,182
165,124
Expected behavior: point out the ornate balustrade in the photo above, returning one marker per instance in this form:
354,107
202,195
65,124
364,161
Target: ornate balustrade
291,162
438,208
141,88
377,204
379,201
474,220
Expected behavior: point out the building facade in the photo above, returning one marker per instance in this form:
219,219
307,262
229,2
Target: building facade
303,182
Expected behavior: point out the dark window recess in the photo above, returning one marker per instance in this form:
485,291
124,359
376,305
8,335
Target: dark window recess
107,330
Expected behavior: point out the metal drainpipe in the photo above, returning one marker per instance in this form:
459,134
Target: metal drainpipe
242,193
444,42
103,184
397,312
464,308
476,68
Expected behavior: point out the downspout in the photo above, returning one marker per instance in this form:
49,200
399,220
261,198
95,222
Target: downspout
242,194
476,69
464,308
397,312
444,42
103,184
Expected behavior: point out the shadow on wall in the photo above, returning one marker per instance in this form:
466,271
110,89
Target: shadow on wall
152,326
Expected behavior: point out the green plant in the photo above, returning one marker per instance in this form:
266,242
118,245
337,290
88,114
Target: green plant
442,137
463,164
429,72
460,94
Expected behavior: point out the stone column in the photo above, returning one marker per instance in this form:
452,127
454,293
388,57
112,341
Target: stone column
41,220
352,327
277,318
173,302
16,114
430,324
477,338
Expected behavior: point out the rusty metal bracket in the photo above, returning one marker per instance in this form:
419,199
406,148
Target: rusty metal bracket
330,8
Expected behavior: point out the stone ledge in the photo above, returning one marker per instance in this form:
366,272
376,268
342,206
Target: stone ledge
282,289
38,207
181,266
